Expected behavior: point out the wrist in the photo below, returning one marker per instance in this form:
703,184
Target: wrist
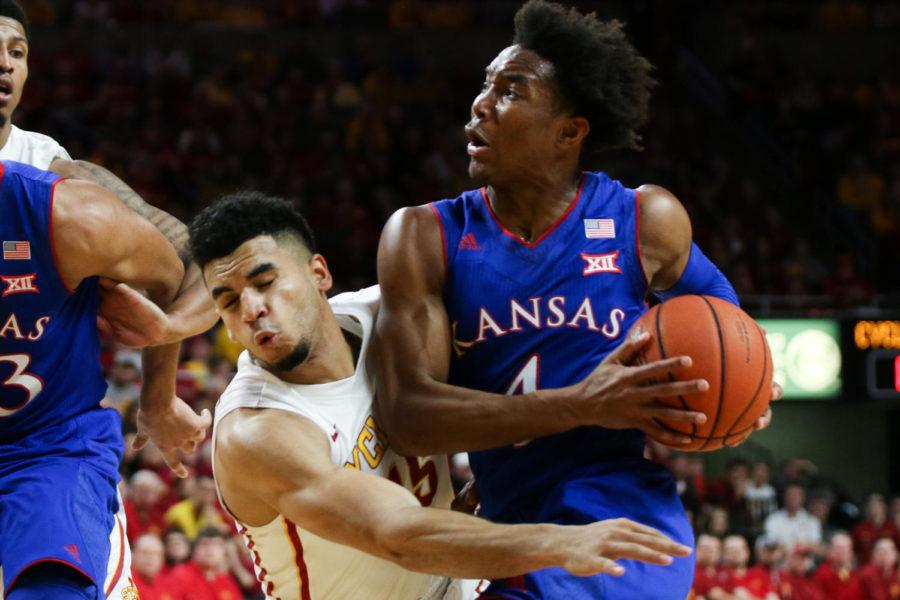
564,405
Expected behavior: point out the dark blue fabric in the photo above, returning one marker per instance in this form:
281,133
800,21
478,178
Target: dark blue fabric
52,580
701,277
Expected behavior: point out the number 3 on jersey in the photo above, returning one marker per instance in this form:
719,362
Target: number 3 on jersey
30,382
525,382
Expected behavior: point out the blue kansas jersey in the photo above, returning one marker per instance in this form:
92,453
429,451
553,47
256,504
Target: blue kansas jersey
59,451
526,316
49,346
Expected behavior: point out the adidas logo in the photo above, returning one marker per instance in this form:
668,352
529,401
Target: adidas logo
468,242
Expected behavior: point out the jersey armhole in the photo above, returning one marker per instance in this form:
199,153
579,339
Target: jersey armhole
637,242
53,252
443,234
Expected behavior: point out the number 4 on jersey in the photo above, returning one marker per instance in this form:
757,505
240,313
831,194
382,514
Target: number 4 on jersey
525,382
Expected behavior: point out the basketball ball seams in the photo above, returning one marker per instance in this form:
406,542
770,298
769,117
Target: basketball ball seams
722,371
662,356
762,379
707,438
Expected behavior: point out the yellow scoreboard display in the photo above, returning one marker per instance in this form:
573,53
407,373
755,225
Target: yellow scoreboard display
879,341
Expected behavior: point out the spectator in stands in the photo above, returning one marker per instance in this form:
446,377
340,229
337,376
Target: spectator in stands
876,525
717,522
198,511
205,576
147,561
123,382
792,525
880,580
681,468
178,548
760,495
821,503
710,579
143,510
797,582
895,516
740,581
769,560
837,577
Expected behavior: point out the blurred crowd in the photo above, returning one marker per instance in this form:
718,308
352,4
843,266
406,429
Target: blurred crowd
796,536
791,175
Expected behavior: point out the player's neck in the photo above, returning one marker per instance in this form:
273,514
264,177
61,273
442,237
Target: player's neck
529,208
5,132
331,358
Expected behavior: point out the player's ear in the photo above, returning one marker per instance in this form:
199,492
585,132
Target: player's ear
573,131
320,272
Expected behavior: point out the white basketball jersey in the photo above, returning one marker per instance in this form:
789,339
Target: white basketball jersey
294,564
32,148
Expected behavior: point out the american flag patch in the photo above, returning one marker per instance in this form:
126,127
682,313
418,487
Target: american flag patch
16,251
599,228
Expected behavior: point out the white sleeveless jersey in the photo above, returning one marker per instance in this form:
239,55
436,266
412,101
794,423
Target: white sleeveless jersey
294,564
32,148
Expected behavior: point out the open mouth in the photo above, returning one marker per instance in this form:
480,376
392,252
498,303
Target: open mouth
476,138
265,339
6,86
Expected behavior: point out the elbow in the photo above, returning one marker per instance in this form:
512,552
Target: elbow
394,540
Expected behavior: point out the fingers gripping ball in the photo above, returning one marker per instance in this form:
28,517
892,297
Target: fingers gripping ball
728,349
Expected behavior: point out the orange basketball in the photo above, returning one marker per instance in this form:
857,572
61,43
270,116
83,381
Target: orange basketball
728,349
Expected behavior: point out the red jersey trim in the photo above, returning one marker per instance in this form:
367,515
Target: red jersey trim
543,236
119,567
637,239
50,234
443,234
298,558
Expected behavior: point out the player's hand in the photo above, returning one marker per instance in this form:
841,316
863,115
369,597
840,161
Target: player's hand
467,500
761,423
620,395
592,549
173,429
128,317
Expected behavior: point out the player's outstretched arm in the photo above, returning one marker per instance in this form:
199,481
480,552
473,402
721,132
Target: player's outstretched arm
94,234
191,313
267,457
422,414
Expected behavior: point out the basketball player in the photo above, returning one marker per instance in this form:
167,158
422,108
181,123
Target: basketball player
191,313
527,284
60,536
327,509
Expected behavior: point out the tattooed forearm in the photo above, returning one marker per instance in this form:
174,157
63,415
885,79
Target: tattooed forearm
174,230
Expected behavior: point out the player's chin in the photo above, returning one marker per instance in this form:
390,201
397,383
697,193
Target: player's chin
478,171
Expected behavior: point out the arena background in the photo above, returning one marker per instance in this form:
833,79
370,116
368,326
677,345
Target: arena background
777,123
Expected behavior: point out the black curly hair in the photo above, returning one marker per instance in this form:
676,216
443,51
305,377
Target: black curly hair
235,218
598,73
14,10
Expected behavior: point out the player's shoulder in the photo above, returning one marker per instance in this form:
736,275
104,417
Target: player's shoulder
33,138
366,300
251,384
12,169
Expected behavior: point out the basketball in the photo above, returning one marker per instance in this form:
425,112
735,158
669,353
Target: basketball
728,349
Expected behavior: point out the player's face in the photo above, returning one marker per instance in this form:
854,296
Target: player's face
270,295
13,66
515,123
